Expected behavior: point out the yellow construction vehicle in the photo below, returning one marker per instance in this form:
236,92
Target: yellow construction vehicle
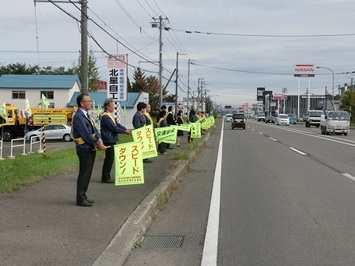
18,123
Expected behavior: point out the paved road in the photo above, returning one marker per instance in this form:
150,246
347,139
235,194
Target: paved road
41,225
286,198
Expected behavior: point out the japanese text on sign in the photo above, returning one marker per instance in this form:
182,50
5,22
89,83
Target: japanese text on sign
117,80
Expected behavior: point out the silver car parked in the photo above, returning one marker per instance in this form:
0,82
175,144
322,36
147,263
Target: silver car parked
52,131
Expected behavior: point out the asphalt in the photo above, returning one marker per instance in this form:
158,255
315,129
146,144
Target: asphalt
41,225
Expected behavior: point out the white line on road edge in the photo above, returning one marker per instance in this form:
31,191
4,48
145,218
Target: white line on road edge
300,152
210,248
349,176
272,139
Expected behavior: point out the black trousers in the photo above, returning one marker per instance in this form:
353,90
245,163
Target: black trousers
86,164
161,147
108,162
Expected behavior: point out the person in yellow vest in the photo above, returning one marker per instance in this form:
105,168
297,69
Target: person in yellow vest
87,139
147,113
109,133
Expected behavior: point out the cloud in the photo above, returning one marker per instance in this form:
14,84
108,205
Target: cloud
267,61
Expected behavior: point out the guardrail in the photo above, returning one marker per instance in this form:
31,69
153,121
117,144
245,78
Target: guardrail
18,145
33,142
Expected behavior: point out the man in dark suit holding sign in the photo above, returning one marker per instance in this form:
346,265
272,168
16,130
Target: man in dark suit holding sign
87,140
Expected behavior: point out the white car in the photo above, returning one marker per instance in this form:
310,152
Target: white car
51,131
282,119
228,118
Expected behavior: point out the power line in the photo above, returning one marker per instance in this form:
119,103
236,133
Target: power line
264,35
132,19
242,71
151,8
144,9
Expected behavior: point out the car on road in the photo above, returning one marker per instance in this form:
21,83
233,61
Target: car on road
293,118
261,118
238,121
228,118
51,131
313,118
282,119
269,119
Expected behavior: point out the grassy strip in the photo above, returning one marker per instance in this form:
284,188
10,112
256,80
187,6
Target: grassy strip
24,170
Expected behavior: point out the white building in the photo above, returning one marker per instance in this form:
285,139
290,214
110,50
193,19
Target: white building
58,89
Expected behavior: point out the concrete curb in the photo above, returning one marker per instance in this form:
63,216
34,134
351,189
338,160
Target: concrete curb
119,249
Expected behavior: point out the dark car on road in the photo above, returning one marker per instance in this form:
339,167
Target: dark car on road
269,119
238,121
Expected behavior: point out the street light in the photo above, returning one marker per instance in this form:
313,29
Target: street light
332,79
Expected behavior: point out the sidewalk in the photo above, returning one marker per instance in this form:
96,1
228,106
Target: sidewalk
41,225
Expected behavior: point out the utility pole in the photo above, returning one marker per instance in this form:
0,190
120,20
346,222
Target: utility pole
84,48
176,82
84,40
158,23
351,97
200,82
188,86
325,98
160,62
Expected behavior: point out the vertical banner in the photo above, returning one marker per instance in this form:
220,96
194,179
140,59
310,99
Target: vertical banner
129,168
166,134
117,77
195,130
145,135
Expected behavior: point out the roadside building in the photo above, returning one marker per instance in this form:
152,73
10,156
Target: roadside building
58,89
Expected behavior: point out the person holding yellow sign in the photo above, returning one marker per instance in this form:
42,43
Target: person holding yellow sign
140,120
109,132
87,139
179,121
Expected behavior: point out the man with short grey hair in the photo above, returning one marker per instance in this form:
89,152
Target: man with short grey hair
109,133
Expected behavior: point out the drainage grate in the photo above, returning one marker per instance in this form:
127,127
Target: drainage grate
162,241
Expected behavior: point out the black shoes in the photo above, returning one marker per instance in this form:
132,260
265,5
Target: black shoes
108,181
90,201
85,203
147,161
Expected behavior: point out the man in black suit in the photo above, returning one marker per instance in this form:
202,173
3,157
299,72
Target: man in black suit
140,120
87,140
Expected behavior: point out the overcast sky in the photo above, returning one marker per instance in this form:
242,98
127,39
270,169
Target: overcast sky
235,45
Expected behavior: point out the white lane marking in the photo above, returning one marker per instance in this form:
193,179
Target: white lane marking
210,248
310,134
253,129
300,152
261,133
349,176
272,139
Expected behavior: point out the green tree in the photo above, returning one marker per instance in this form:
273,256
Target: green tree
49,70
140,83
150,84
19,69
347,102
93,71
23,69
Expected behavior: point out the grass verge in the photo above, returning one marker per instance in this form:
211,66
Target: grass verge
24,170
